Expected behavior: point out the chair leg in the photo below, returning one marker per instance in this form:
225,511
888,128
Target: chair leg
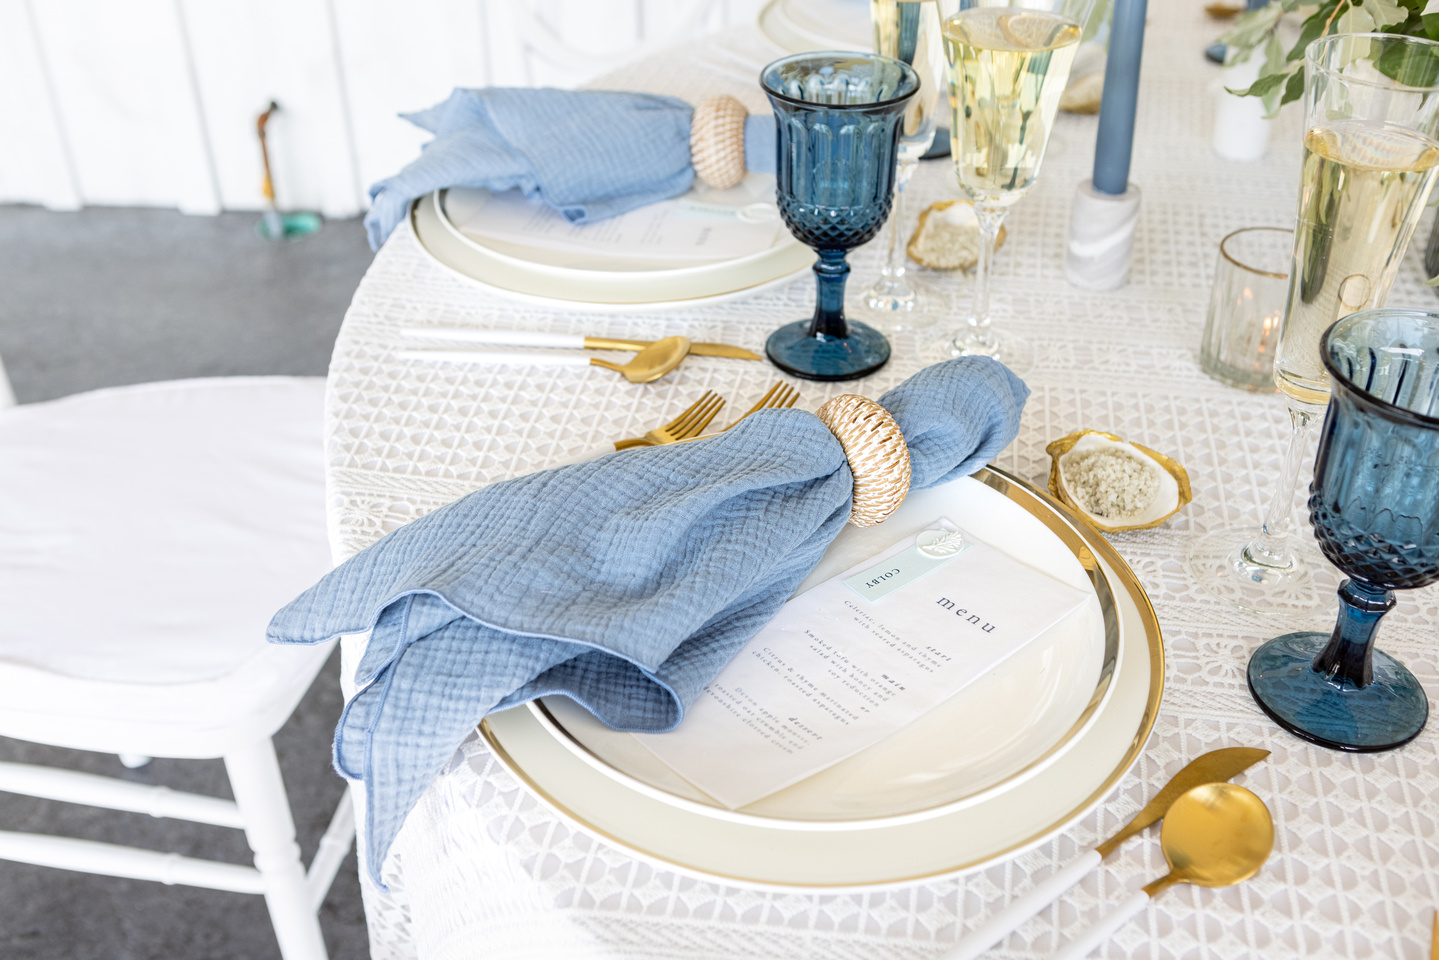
270,829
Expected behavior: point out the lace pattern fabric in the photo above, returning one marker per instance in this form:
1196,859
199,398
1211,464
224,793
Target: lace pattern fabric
484,868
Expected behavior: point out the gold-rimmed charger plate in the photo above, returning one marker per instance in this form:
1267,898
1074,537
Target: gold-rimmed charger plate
509,271
964,839
1003,728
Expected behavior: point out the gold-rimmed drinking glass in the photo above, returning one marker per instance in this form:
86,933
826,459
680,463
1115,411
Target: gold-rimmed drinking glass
1009,61
1246,307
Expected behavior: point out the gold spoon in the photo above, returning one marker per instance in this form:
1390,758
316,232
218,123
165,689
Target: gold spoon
651,363
1214,836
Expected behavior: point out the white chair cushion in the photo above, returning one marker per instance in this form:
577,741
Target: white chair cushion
147,534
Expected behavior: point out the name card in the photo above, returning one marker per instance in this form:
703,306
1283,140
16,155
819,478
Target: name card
856,658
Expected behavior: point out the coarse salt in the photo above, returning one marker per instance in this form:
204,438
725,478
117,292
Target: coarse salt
1113,484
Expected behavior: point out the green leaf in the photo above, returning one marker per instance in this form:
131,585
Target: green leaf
1430,22
1295,89
1273,54
1385,13
1312,30
1261,86
1251,29
1404,65
1354,20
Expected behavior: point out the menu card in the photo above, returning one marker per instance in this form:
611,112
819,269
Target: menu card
852,660
704,224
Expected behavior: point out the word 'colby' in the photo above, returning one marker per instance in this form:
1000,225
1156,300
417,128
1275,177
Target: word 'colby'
975,618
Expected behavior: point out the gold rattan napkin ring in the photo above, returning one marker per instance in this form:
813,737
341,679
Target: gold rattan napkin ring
877,454
717,141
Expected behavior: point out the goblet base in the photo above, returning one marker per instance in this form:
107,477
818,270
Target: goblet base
1219,564
1383,714
1016,353
817,357
905,305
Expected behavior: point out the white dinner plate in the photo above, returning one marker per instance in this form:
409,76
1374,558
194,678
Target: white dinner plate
999,731
801,26
601,284
966,838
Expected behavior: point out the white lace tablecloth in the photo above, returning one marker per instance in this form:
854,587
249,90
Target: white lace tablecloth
484,870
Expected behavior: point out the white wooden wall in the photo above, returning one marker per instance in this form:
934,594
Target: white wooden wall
153,102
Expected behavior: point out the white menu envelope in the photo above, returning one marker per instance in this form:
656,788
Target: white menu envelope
852,660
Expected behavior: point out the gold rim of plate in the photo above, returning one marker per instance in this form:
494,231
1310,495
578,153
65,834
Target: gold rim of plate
1044,507
1069,534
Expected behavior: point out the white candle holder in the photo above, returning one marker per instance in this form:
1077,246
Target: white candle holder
1101,237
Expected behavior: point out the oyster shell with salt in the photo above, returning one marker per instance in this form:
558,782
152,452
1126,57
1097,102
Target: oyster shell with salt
1116,485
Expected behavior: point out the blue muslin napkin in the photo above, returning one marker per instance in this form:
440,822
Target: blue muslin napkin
625,583
590,154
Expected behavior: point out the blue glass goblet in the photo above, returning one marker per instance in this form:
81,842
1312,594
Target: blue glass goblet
1375,510
838,117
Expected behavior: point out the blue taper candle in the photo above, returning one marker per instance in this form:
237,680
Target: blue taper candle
1121,94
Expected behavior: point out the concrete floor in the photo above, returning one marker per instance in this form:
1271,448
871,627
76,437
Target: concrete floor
115,296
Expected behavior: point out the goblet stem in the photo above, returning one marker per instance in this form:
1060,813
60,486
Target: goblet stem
892,284
830,271
976,336
1350,651
1271,547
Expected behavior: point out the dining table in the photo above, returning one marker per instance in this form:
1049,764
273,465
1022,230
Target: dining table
485,868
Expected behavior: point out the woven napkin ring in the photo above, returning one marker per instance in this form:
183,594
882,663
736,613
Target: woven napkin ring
717,141
877,454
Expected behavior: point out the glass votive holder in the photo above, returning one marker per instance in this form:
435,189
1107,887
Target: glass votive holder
1246,307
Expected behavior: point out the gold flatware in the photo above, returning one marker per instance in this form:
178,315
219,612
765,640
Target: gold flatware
1210,767
651,363
780,396
1434,939
688,424
1215,835
698,349
564,341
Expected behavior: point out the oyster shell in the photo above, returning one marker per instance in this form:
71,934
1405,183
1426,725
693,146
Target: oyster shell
1173,480
947,237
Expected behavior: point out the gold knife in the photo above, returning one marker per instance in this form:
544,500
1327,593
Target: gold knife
1211,767
564,341
702,349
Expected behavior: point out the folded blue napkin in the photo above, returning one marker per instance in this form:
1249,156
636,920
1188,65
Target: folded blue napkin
625,583
590,154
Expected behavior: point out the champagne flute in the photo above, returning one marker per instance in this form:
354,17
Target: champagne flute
1371,153
908,30
1009,61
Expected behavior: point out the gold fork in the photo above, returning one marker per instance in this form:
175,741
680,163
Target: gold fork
780,396
688,424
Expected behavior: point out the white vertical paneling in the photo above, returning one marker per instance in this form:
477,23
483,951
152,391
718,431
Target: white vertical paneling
34,161
402,58
247,54
128,103
153,102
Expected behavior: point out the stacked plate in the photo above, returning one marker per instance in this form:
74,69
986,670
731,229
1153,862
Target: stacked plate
606,266
800,26
1013,758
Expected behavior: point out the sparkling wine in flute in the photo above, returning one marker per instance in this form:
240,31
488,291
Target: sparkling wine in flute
1363,186
1010,68
909,30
